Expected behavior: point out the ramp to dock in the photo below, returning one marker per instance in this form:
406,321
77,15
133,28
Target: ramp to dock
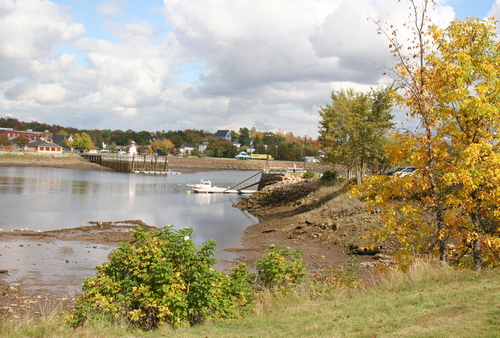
246,183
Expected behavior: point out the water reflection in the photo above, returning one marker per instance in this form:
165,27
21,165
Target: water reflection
47,199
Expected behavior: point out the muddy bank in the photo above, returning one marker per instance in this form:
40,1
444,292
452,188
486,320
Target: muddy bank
324,222
43,271
63,161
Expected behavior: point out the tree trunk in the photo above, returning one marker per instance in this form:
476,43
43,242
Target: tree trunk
478,259
442,239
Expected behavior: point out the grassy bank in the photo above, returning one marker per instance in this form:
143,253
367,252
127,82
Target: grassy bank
428,301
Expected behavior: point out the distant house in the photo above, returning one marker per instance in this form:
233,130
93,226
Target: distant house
202,147
44,147
186,148
57,139
237,144
223,135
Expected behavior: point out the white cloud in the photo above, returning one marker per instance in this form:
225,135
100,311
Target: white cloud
108,8
29,29
46,94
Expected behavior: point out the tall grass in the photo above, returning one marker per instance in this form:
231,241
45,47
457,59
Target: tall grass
430,300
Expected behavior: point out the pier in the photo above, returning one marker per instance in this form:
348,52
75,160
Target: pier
138,164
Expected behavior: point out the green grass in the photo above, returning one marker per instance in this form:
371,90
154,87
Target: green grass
428,301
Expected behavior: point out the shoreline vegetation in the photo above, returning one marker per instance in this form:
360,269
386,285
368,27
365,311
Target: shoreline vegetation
430,300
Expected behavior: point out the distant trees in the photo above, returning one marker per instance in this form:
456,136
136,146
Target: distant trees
283,146
353,127
21,140
221,148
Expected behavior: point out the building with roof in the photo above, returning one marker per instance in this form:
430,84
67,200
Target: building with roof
31,135
223,135
202,147
186,148
44,147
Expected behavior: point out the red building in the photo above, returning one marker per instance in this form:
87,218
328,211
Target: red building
31,135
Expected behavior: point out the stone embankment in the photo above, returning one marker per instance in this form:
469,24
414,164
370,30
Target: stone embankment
288,189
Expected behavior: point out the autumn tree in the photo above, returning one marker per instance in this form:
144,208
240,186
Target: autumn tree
21,140
221,148
82,142
65,143
449,81
464,77
4,140
163,146
354,125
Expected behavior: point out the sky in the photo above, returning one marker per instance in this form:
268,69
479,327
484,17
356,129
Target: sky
196,64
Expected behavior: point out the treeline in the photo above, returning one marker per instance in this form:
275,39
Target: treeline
280,145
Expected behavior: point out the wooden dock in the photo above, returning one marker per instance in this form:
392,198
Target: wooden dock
139,164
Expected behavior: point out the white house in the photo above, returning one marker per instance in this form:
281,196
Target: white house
202,147
186,148
223,135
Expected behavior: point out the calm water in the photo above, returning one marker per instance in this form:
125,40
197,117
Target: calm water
48,199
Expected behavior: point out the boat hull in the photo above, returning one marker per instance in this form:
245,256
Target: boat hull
205,187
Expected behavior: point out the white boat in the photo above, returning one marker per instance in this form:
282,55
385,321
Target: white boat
207,188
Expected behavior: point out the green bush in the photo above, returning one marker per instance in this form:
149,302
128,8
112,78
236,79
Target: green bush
330,176
308,174
281,269
161,277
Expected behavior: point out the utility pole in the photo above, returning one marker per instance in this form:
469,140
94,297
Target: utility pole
303,152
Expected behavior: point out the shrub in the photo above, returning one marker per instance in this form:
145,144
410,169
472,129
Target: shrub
161,277
330,176
308,174
281,268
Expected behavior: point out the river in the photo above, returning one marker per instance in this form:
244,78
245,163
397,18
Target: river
41,199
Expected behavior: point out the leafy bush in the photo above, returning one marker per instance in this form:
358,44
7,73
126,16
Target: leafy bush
308,174
161,277
330,176
281,268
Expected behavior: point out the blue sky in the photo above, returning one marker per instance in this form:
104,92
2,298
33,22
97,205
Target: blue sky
205,64
475,8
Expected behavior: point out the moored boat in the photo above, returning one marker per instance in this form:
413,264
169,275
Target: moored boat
206,187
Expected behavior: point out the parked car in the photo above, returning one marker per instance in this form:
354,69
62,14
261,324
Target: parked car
402,172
